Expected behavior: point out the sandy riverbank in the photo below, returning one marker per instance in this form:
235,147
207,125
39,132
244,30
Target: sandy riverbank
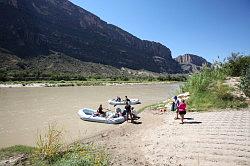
208,138
12,85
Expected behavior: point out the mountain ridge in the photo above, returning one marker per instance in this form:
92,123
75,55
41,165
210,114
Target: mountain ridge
37,27
191,63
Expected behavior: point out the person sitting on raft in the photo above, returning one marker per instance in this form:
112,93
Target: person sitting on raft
118,113
100,111
118,99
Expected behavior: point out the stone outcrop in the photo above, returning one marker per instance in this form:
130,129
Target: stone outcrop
36,27
191,63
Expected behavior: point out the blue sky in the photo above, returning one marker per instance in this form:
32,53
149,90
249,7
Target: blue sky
208,28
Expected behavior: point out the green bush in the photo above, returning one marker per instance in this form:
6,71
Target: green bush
3,75
202,81
245,82
161,78
221,90
208,90
237,64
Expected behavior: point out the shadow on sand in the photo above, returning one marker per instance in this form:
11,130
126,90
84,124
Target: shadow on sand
189,118
192,122
135,122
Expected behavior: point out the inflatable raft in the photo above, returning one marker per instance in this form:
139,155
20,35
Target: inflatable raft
88,115
123,102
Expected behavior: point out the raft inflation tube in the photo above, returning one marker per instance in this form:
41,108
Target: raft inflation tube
88,114
131,102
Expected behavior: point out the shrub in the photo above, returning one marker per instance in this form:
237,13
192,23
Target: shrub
208,91
51,151
3,76
150,78
124,78
203,80
221,90
49,146
245,82
82,78
237,64
161,78
97,77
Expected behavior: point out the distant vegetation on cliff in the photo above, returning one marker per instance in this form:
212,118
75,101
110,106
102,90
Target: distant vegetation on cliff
60,67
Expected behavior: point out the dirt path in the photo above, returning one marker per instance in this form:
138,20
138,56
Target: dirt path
222,138
210,138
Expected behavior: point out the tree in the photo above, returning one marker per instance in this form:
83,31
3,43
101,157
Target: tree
237,64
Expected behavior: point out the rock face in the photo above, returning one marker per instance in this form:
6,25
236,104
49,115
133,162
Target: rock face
191,63
37,27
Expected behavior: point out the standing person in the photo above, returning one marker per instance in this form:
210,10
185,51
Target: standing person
175,106
182,110
127,99
129,112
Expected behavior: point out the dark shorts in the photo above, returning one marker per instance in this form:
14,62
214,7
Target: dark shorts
182,112
126,112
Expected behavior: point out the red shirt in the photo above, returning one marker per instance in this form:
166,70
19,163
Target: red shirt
182,107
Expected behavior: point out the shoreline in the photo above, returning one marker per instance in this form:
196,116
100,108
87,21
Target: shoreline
77,83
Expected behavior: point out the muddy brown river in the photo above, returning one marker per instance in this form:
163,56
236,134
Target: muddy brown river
25,112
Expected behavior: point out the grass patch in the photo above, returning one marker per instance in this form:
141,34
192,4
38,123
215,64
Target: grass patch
82,154
14,150
208,90
51,150
152,106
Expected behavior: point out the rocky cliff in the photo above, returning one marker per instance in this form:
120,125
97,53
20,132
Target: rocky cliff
191,63
38,27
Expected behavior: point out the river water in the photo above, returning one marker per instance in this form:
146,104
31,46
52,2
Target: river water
26,112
